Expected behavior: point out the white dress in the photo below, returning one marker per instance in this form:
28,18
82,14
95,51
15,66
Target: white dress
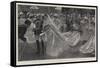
89,46
56,44
29,35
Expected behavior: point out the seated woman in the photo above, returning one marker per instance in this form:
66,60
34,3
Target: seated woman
89,46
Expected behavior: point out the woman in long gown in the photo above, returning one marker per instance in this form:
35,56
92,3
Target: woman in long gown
89,46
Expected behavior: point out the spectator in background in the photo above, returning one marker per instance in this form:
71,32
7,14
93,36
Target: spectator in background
21,18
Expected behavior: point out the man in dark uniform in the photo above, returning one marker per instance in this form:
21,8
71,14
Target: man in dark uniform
37,31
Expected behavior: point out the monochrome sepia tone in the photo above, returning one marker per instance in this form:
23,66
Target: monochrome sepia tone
50,33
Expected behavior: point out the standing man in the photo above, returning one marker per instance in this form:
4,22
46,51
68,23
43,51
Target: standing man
38,31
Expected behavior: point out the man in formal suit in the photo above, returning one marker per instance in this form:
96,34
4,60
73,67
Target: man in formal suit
38,31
